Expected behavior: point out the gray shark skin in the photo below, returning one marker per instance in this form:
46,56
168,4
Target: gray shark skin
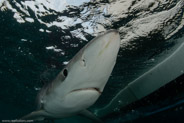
81,82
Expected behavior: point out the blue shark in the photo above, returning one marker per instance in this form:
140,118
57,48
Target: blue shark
81,82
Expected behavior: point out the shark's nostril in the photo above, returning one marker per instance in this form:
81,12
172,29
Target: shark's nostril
83,61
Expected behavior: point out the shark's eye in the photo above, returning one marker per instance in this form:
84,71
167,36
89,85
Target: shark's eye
65,72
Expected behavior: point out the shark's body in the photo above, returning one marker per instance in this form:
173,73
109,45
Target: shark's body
81,82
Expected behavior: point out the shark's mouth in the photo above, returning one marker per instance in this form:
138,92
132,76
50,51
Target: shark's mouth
83,89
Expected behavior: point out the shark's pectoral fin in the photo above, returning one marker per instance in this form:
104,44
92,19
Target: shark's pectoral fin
36,115
90,115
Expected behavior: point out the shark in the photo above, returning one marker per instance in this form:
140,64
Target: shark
81,82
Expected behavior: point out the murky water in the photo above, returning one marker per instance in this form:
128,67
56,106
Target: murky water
39,37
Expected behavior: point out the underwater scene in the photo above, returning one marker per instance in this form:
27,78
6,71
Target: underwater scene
142,75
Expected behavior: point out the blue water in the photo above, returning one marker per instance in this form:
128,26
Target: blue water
37,39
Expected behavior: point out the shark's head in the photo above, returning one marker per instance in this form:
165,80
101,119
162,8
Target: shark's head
82,81
93,64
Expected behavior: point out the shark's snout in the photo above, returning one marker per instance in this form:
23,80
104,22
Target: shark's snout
109,42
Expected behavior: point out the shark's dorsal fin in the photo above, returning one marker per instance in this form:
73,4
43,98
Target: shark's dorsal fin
90,115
